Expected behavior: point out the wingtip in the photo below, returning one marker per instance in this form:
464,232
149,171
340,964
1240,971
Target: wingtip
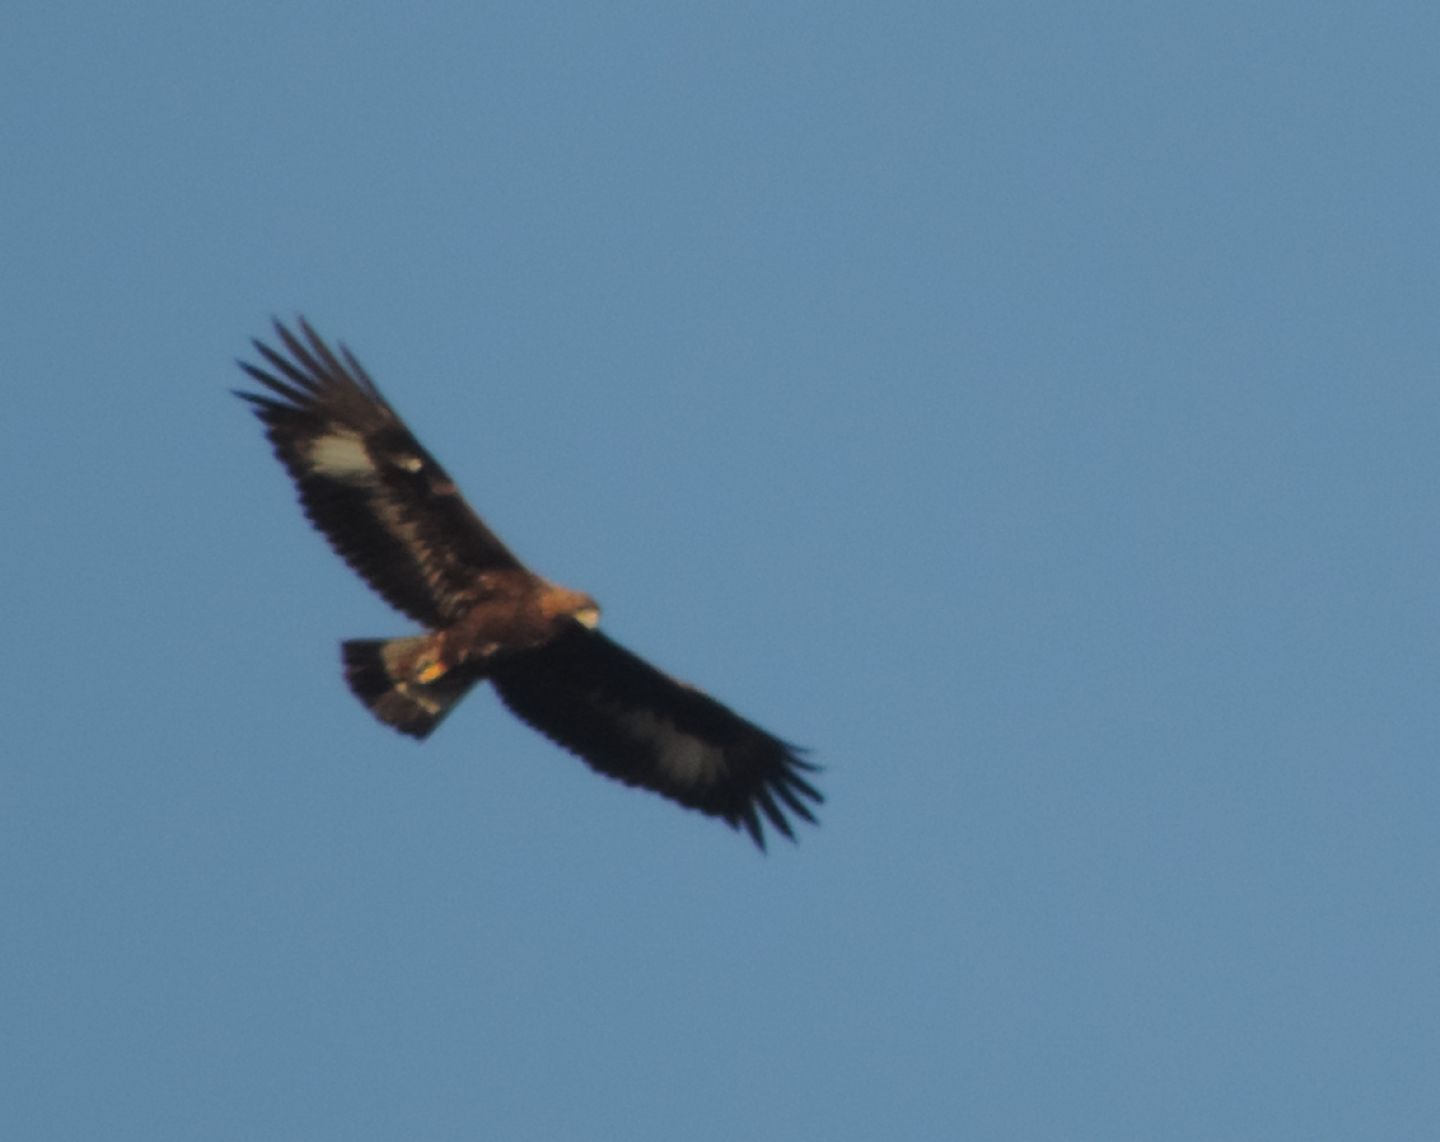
749,820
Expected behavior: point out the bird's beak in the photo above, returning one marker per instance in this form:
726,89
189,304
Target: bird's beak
588,617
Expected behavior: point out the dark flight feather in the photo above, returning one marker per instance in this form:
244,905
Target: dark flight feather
634,723
387,508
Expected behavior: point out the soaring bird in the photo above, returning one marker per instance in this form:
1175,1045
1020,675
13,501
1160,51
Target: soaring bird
395,516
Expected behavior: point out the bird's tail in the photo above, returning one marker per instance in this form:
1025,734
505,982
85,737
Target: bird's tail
390,677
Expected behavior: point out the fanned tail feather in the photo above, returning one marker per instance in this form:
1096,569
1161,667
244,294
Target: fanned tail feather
385,675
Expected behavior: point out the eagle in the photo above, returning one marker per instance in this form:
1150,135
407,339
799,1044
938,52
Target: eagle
397,518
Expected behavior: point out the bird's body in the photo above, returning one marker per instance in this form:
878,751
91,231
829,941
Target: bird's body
398,519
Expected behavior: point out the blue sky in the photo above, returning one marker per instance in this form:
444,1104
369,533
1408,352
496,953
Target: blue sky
1031,408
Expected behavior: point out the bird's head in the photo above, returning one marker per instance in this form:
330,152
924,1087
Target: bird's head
588,613
562,603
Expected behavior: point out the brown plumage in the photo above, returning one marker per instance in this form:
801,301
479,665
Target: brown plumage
393,514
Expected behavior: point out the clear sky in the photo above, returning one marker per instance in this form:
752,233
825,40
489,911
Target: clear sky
1030,407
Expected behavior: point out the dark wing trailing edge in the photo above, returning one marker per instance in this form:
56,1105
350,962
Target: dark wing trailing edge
382,501
630,721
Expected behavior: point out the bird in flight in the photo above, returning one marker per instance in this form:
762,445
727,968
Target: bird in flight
395,516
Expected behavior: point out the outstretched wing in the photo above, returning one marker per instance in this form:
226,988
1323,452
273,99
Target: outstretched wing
630,721
381,500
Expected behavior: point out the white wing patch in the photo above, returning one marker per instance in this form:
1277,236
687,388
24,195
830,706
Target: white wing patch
684,757
342,456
